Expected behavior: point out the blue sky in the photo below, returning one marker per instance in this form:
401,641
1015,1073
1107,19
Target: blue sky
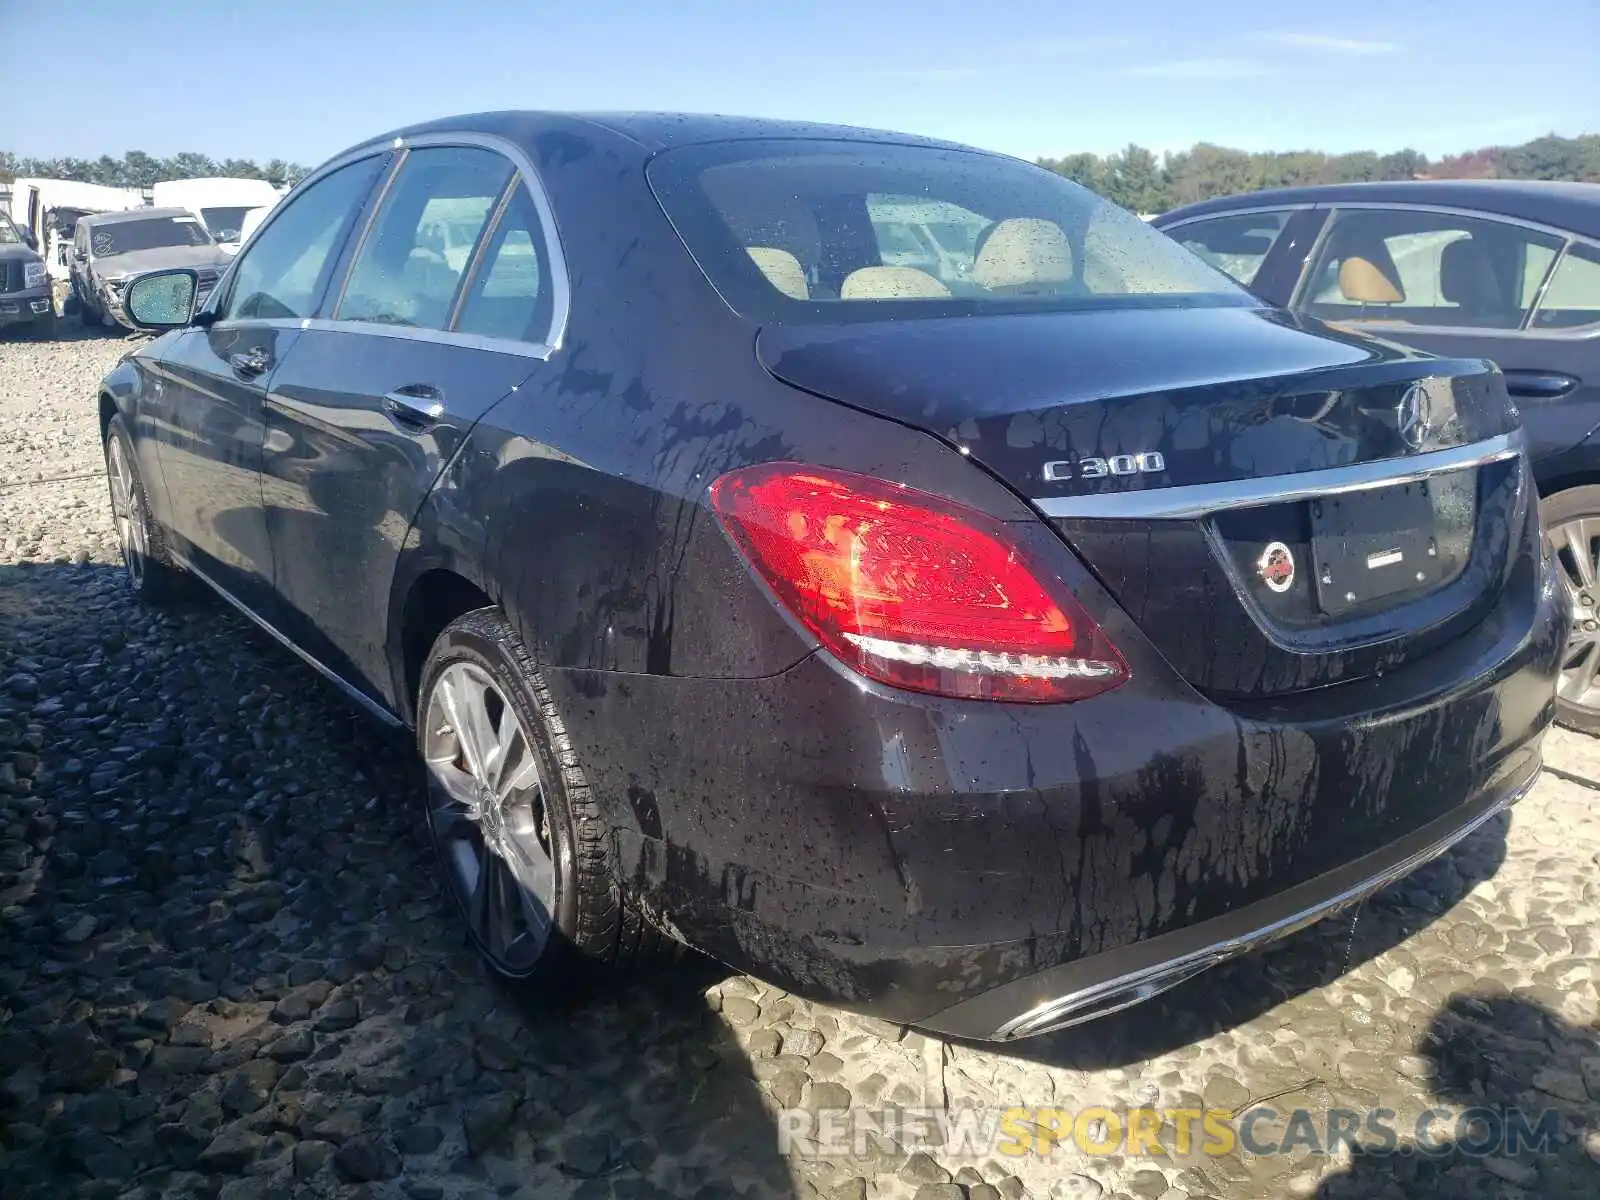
301,80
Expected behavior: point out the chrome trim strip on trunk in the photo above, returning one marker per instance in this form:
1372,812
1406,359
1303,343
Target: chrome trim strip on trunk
1187,501
1124,991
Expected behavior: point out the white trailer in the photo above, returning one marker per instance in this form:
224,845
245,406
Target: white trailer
220,203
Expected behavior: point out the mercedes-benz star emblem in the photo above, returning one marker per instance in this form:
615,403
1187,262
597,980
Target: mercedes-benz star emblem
1414,416
1276,567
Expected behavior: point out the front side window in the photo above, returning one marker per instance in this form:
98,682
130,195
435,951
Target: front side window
817,230
510,296
280,274
125,237
1572,298
1424,268
1237,245
8,232
412,260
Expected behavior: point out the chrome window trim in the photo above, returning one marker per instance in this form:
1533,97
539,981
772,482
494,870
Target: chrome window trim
1252,211
1189,501
1378,328
555,258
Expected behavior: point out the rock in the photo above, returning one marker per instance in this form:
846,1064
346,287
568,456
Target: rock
1226,1092
419,1139
586,1155
850,1189
249,1087
485,1120
291,1047
232,1150
983,1191
367,1158
496,1053
827,1095
301,1002
1589,1067
802,1042
1081,1187
310,1156
1010,1188
337,1015
939,1191
763,1043
1567,1085
1524,1175
738,1011
920,1168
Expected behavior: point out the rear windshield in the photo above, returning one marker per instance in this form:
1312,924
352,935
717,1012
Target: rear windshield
124,237
813,230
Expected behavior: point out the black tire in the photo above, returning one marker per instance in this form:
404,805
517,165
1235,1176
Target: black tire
1560,514
152,573
592,932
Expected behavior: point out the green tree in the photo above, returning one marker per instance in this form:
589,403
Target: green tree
1084,169
1135,180
140,170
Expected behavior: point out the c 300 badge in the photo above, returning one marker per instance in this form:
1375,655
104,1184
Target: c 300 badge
1276,567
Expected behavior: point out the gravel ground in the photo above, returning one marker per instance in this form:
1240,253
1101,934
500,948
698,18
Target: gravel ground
226,970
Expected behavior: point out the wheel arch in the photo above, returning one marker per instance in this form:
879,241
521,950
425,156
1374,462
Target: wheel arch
429,594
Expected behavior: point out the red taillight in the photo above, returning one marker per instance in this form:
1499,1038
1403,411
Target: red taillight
913,590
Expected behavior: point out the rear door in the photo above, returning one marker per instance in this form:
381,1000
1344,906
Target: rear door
1467,286
383,389
207,412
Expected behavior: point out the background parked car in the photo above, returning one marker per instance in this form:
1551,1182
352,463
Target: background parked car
1503,270
111,248
25,298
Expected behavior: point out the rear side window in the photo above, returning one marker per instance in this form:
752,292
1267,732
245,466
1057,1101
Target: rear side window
421,243
1237,245
817,230
510,296
1423,268
1573,296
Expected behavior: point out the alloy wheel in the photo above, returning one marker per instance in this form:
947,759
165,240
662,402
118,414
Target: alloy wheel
127,511
1575,544
489,817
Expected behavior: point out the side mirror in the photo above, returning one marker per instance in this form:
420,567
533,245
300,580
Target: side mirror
159,300
30,239
77,255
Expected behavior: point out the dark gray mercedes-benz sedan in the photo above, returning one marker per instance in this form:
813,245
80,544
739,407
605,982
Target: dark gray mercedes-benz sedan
878,563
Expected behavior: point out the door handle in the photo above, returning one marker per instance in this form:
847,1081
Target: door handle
415,407
251,363
1539,385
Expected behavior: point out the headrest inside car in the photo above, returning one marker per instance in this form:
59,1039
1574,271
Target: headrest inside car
782,269
1022,252
891,283
1363,282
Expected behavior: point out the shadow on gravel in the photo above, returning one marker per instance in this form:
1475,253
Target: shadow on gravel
1239,991
1503,1071
226,969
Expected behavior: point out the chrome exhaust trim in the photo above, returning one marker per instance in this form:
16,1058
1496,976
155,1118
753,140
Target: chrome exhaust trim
1134,987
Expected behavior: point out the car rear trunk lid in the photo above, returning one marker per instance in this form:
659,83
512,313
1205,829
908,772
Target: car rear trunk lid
1278,505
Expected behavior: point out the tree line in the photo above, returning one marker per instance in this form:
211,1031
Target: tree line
136,169
1140,181
1135,178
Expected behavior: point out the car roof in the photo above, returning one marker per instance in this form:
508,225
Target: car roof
132,214
653,131
1571,206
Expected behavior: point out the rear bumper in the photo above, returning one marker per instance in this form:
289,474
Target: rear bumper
1077,992
958,864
